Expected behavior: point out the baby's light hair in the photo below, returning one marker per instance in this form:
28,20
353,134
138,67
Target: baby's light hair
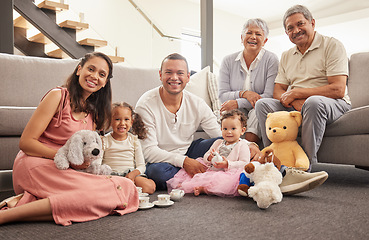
233,113
138,126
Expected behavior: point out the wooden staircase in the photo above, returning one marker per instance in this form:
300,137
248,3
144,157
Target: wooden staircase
62,35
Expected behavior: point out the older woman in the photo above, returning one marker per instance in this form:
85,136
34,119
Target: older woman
247,76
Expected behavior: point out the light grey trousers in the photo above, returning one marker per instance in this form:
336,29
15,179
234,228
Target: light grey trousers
317,112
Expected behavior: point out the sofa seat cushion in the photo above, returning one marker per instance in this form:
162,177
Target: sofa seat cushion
13,119
353,122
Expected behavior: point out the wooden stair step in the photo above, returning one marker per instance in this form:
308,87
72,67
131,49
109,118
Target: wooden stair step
56,6
74,25
93,42
58,53
116,59
21,22
40,38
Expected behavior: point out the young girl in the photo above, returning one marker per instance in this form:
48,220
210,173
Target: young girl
122,149
236,154
67,196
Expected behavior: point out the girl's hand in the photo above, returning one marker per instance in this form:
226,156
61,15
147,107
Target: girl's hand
223,164
132,175
211,155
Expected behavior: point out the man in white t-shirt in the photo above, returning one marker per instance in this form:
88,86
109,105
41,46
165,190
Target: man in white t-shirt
172,116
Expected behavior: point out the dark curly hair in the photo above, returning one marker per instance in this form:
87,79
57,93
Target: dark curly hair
138,126
98,103
232,113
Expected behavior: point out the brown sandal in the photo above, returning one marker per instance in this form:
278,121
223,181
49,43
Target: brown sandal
5,202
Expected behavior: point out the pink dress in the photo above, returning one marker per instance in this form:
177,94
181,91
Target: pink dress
221,183
74,196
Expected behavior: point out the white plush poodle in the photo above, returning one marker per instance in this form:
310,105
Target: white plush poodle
83,146
266,190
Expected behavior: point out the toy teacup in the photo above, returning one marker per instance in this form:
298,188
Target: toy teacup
176,194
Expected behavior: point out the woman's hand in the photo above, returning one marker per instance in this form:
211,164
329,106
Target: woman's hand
251,96
229,105
80,167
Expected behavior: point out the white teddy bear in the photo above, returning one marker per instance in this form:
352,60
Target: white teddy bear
266,189
83,146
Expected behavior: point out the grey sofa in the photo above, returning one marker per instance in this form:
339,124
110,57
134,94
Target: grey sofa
26,79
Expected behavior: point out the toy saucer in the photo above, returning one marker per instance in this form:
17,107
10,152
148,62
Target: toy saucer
170,203
149,205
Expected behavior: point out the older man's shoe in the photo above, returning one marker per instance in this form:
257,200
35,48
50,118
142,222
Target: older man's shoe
297,181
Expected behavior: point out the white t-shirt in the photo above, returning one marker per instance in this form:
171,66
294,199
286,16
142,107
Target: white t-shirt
170,135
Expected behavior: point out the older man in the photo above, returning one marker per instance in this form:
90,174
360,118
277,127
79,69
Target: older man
311,79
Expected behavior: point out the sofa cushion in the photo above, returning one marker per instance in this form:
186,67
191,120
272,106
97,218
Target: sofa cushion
198,85
128,83
9,147
213,92
44,73
14,119
354,122
358,82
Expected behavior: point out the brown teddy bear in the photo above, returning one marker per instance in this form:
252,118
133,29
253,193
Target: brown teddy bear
282,129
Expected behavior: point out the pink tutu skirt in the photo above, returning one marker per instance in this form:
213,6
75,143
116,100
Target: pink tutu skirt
220,183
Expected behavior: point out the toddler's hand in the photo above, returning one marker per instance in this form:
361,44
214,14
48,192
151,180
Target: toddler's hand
211,155
223,164
132,175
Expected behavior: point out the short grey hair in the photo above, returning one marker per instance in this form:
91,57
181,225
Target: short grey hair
260,23
297,9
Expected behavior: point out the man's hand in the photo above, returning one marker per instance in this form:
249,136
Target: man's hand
255,152
297,104
193,167
287,98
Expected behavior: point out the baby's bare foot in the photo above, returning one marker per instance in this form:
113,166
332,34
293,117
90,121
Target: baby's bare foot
198,190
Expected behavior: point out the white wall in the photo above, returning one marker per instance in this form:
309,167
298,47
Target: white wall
118,22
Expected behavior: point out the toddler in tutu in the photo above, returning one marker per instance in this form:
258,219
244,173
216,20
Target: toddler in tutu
221,178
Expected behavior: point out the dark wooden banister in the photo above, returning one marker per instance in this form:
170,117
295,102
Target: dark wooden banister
47,26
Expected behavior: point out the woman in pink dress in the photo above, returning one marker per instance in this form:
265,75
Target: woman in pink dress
222,177
46,193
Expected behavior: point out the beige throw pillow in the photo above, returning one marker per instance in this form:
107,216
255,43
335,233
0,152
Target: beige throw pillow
198,85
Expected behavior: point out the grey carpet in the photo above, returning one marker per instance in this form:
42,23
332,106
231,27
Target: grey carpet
336,210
